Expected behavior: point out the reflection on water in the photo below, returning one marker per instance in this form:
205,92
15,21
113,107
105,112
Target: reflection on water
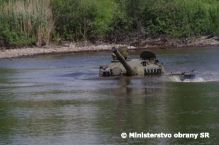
60,100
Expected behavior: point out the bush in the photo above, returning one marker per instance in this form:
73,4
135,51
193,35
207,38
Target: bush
83,19
28,22
182,18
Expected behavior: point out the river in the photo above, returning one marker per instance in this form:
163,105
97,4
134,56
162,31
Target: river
59,100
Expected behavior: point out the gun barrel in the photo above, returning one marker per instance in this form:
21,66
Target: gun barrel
129,70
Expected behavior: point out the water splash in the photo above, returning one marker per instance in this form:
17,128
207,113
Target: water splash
177,79
202,77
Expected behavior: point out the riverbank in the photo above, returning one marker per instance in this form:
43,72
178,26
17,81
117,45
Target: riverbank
163,43
70,48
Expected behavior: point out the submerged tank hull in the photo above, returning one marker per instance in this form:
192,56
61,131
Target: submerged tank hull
147,65
117,69
131,67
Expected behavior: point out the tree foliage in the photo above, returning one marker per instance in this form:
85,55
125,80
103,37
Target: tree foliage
25,22
83,19
182,18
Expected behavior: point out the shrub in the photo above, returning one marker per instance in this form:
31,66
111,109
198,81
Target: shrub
83,19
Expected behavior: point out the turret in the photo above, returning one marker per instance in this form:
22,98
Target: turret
129,70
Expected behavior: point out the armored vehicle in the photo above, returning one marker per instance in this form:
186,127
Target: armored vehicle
146,65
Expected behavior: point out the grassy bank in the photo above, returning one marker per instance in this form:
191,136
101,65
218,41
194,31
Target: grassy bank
38,22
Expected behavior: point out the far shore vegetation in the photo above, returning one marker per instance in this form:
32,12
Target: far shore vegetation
39,22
